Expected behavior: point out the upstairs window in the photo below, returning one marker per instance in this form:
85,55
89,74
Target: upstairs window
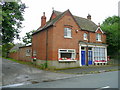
85,36
98,37
67,33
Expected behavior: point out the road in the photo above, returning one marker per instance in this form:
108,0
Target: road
101,80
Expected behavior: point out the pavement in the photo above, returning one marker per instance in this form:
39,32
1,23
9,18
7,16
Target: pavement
14,74
90,69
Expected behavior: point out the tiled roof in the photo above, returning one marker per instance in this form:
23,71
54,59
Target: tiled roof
83,23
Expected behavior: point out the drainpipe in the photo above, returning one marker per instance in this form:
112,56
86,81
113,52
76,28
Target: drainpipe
87,49
46,49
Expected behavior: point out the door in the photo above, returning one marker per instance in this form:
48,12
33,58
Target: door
83,57
89,57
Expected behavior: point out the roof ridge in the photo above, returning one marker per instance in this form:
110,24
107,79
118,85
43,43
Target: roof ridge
84,23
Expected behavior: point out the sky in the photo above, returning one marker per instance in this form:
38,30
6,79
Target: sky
98,9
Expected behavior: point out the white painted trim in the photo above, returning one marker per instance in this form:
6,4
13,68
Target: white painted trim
93,54
100,30
106,53
80,55
66,60
67,37
84,45
100,62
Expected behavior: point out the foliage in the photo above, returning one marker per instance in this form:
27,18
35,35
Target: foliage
27,39
12,17
111,27
6,48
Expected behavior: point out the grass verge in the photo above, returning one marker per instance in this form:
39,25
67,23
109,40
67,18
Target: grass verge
24,62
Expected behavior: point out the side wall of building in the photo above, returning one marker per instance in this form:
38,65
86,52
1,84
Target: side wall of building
25,54
40,46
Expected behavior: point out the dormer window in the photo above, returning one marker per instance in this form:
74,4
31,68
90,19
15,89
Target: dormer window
67,33
85,36
98,37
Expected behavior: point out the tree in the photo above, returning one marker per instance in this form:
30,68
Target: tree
6,48
12,17
110,26
27,39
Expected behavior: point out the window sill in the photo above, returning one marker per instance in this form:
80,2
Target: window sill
27,55
99,41
86,39
67,37
67,60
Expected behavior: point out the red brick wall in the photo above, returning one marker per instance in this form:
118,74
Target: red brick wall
39,45
22,54
14,55
53,16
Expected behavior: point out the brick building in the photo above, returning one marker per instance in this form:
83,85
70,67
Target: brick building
23,53
69,41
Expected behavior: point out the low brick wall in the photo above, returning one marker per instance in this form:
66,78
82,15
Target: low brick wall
57,64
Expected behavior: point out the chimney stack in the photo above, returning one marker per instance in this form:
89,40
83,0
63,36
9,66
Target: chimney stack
89,17
43,20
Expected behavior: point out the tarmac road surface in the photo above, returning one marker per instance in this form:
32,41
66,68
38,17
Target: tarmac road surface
100,81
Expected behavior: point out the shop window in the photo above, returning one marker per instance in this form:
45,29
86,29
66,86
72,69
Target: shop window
99,54
67,54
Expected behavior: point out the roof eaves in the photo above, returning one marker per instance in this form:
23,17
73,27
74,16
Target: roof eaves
41,29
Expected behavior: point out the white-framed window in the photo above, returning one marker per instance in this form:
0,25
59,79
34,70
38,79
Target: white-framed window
98,37
85,36
67,33
99,54
28,52
66,54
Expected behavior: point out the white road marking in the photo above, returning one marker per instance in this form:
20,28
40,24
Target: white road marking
106,87
103,88
14,85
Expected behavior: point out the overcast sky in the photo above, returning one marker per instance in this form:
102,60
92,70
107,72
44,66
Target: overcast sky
98,9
